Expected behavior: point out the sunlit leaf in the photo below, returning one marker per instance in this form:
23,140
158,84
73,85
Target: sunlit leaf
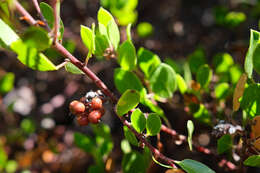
7,35
190,127
221,90
138,120
127,55
253,161
7,83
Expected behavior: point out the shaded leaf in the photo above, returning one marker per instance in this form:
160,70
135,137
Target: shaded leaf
130,136
192,166
127,101
253,161
196,59
222,62
153,124
133,163
204,75
225,143
83,142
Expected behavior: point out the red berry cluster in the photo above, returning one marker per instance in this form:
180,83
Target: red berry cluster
87,111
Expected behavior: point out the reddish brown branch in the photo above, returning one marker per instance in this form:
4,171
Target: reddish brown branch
56,11
37,7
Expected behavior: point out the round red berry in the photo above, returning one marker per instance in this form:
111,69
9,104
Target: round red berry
82,120
94,116
77,107
96,103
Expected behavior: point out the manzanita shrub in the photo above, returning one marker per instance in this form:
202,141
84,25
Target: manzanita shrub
144,79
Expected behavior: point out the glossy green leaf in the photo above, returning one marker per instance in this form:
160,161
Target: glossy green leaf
192,166
130,136
129,100
221,90
83,142
182,86
163,81
113,33
153,124
7,83
72,68
225,143
31,58
147,61
144,29
190,127
37,38
88,39
125,146
254,39
222,62
127,55
253,161
104,17
126,80
101,44
251,100
11,166
133,163
196,59
256,59
7,35
138,120
204,75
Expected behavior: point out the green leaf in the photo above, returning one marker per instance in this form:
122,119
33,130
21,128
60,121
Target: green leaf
192,166
138,120
11,166
253,161
204,75
128,32
101,44
251,100
3,158
181,84
125,146
47,12
37,38
221,90
133,163
126,80
187,73
153,124
7,83
256,58
147,61
196,59
100,168
235,72
31,58
254,39
190,128
83,142
28,126
104,17
153,107
129,100
234,19
127,55
222,62
225,143
87,37
144,29
130,136
113,33
163,81
72,68
177,66
7,35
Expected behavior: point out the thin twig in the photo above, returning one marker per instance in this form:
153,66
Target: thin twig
37,7
56,11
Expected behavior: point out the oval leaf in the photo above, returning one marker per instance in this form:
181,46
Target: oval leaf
190,127
138,120
204,75
253,161
104,17
7,83
222,62
31,58
127,101
196,59
113,33
87,37
192,166
147,61
127,55
153,124
72,68
239,91
224,143
181,84
130,136
221,90
163,81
